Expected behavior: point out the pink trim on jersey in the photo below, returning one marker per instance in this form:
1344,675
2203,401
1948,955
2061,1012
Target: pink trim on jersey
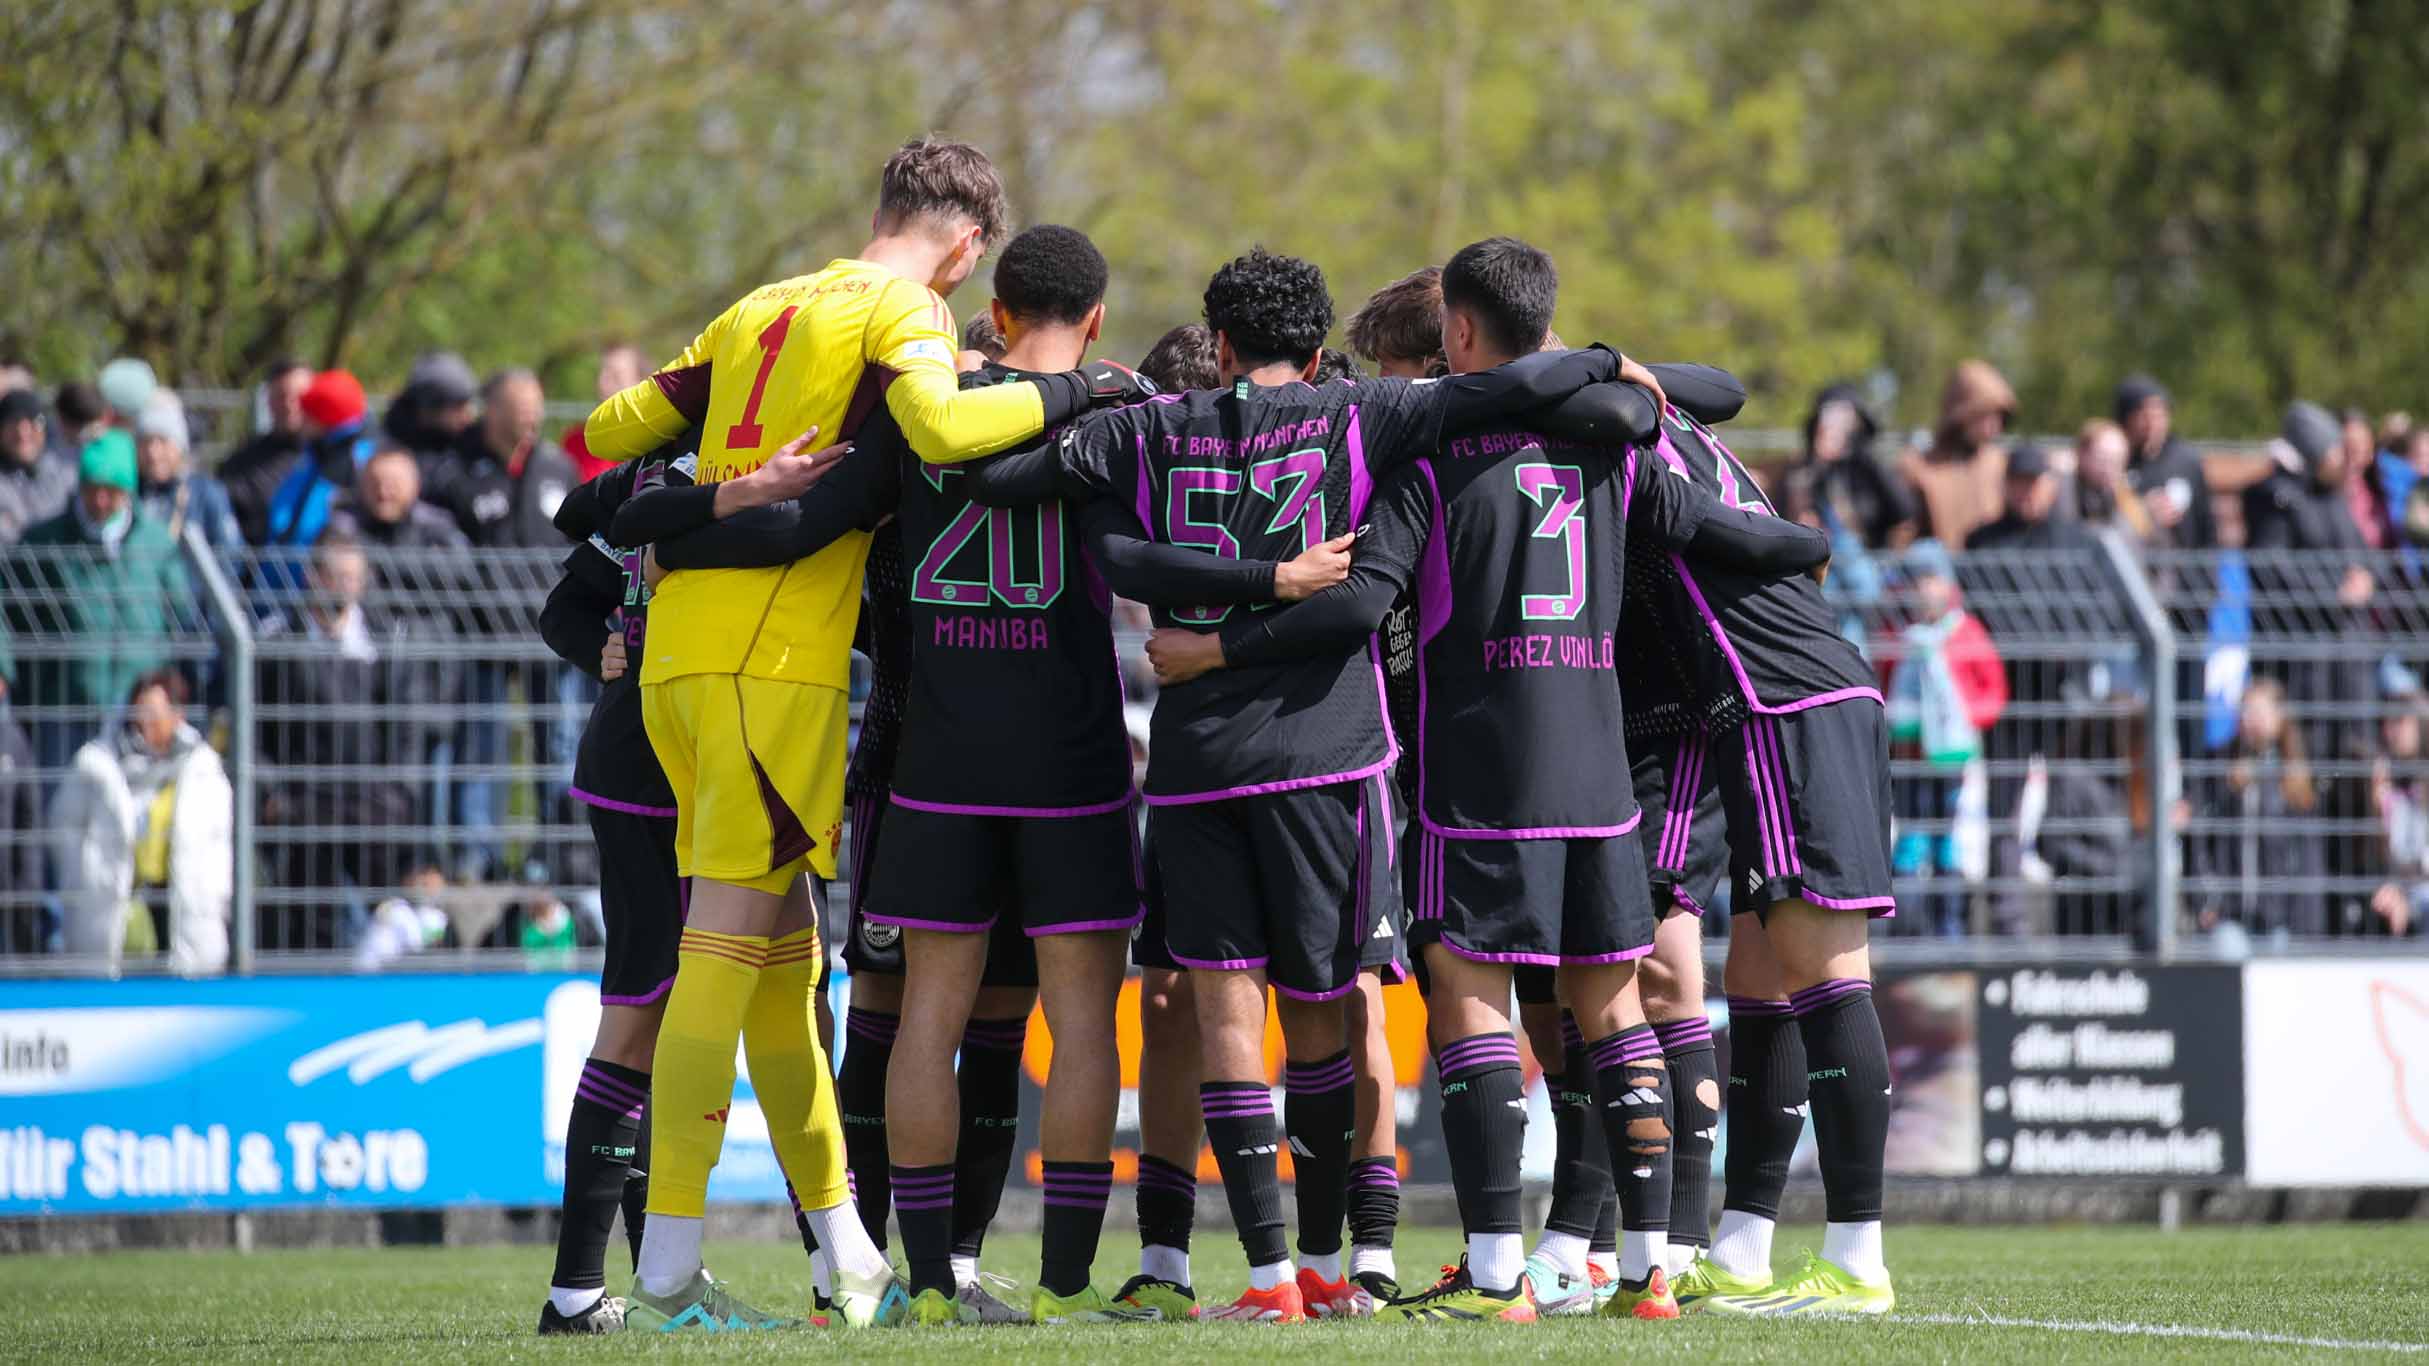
1539,832
1280,785
1544,960
1130,922
1023,812
1218,964
941,926
641,1000
1319,996
611,804
1882,907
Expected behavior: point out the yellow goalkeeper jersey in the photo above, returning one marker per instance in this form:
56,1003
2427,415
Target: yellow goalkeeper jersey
818,350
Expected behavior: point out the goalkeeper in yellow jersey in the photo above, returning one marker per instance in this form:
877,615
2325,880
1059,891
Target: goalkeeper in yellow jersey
744,690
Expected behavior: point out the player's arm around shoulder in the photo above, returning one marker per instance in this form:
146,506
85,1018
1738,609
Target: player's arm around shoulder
910,333
644,416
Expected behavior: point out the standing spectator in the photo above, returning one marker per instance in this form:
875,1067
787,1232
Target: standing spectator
254,470
621,366
105,577
2104,489
506,497
430,415
337,442
2324,585
1850,483
35,481
422,574
2399,795
511,478
1957,480
144,826
2164,468
2029,498
169,491
82,416
28,923
1856,580
325,679
2362,501
1946,688
2028,524
126,386
2253,810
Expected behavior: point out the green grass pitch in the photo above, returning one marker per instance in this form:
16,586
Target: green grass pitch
2106,1295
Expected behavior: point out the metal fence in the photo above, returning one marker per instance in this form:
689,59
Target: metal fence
2305,805
376,751
2032,816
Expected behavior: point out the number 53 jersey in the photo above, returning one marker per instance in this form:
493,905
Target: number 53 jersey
1263,473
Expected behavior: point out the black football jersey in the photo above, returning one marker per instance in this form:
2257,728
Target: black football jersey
614,760
1012,702
1744,642
1262,473
885,641
1517,547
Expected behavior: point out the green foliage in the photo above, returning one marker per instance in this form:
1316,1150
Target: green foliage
2229,193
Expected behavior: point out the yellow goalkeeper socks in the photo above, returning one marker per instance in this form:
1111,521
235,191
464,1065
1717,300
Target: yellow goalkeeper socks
789,1071
692,1084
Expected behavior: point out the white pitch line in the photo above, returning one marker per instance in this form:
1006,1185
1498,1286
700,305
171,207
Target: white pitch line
2163,1330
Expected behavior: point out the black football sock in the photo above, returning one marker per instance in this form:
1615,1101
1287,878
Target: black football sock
1074,1214
1484,1127
600,1139
1687,1048
1632,1089
1168,1203
1245,1136
1581,1170
860,1095
1374,1201
990,1081
801,1217
1766,1108
1319,1112
923,1205
1847,1069
636,1191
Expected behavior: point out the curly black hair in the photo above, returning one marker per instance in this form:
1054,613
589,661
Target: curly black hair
1332,363
1272,308
1050,274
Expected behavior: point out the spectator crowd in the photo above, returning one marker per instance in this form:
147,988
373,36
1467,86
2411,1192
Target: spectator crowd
390,566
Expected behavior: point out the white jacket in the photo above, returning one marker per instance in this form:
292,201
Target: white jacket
93,822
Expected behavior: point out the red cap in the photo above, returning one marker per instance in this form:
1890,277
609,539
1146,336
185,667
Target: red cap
334,398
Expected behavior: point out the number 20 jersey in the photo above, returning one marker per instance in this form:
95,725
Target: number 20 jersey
1516,545
1255,472
1015,699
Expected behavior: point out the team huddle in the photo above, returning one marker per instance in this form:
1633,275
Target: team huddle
1410,630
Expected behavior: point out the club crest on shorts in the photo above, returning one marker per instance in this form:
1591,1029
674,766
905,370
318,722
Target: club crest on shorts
879,938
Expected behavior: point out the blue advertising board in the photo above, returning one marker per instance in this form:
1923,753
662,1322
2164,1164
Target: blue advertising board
153,1095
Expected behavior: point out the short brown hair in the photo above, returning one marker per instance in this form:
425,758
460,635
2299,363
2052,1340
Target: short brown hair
945,181
1403,321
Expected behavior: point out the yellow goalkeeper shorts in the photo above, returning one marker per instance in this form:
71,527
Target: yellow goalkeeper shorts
757,767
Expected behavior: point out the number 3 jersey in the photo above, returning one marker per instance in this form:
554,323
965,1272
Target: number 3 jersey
1263,473
1517,546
